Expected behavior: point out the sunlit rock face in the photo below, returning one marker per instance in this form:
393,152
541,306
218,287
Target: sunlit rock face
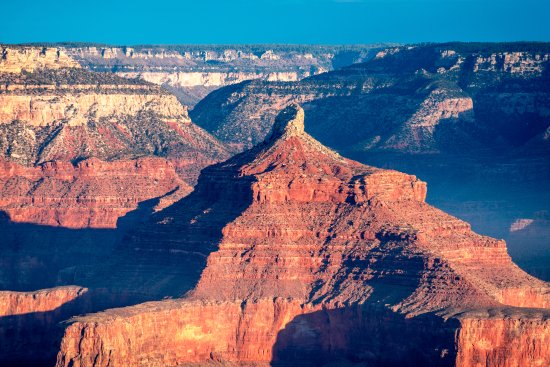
191,72
18,59
471,119
294,255
77,147
90,194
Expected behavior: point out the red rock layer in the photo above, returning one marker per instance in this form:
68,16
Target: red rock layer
312,258
19,303
504,338
92,193
29,322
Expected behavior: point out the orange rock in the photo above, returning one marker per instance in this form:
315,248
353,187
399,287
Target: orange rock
92,193
303,257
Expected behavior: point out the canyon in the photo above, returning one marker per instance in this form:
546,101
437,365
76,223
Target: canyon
286,253
77,147
443,98
192,71
83,157
303,257
470,118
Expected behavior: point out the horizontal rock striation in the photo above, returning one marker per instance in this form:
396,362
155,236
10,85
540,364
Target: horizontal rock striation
449,98
471,119
191,72
17,59
63,122
92,193
504,338
303,257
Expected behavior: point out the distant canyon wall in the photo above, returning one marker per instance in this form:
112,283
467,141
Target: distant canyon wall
82,149
191,72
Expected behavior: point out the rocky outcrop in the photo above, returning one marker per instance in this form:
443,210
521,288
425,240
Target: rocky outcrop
92,193
20,303
296,256
29,331
504,338
472,119
20,58
85,138
75,108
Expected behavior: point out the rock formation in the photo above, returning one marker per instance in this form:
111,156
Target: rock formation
420,99
28,322
92,193
83,139
472,119
18,59
298,256
191,72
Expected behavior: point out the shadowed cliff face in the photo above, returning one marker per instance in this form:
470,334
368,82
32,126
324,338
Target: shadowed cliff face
144,254
365,335
31,322
142,259
329,261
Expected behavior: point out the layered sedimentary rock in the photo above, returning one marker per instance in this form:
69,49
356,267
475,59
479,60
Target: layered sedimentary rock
432,98
504,337
92,193
191,72
472,119
29,329
298,256
31,322
83,138
17,59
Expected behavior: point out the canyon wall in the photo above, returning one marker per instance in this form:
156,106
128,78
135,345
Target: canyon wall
83,140
472,119
90,194
417,99
17,59
504,338
29,330
191,72
308,258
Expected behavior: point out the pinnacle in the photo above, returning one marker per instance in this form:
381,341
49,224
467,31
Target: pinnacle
289,121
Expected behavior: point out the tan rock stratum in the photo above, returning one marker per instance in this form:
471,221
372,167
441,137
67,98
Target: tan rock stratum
81,149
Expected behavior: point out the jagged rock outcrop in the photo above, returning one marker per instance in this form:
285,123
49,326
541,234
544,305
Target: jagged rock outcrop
298,256
464,116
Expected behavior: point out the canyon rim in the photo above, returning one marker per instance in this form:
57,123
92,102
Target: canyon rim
279,183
